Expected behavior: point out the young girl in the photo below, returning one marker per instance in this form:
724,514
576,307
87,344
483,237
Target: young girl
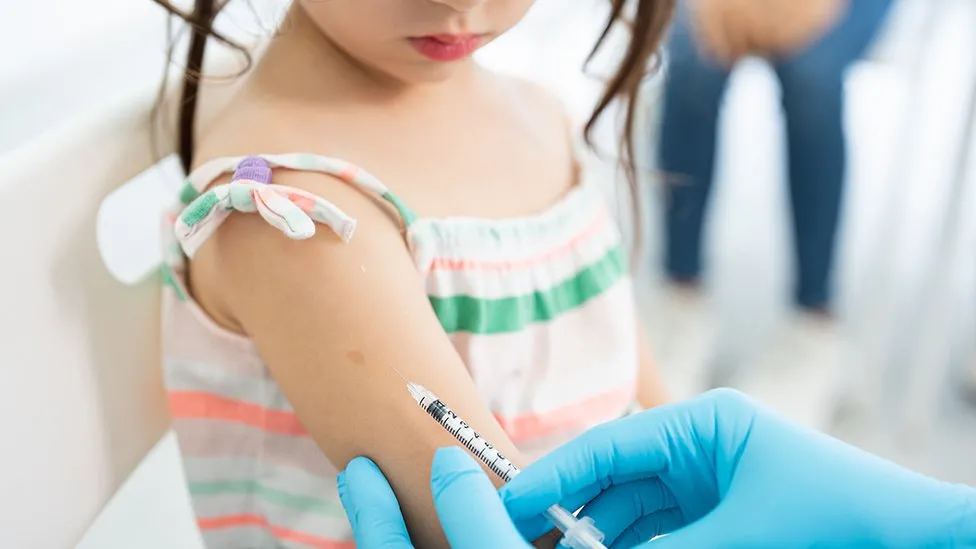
373,199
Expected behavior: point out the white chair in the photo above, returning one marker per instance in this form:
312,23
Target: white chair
83,386
82,392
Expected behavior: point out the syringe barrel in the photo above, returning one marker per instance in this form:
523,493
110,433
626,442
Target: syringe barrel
464,433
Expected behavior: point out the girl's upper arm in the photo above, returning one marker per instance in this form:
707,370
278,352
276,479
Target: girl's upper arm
332,320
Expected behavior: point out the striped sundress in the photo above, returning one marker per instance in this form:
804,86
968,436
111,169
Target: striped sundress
539,307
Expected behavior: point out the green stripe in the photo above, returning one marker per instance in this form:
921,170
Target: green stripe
271,495
405,212
169,279
199,208
509,314
188,193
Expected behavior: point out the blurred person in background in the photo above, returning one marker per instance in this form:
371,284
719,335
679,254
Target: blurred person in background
810,44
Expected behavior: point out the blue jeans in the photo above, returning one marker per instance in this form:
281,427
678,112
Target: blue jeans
813,101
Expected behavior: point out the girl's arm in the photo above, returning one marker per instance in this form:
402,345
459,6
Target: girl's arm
651,390
331,320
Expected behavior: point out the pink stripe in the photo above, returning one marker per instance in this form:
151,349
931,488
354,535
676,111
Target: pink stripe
448,264
201,405
571,417
305,203
349,173
284,534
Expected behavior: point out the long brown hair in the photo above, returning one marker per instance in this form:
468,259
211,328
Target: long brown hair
200,23
647,24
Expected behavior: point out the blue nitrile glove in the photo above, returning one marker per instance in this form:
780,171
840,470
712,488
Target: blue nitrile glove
719,471
467,503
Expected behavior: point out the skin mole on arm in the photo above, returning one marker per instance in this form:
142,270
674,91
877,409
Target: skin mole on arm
356,357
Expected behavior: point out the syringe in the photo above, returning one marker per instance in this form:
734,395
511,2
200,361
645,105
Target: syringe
577,533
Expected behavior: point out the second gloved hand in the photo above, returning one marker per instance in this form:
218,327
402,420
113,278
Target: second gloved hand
719,471
467,505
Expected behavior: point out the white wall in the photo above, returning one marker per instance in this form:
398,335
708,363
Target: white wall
62,58
65,57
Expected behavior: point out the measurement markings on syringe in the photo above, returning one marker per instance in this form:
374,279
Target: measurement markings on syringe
471,439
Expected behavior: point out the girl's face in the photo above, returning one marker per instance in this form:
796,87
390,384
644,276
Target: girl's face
413,41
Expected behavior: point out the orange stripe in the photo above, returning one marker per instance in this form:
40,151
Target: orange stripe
349,174
305,203
579,415
448,264
200,405
283,534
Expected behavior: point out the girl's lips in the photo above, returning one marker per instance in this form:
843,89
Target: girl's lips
446,47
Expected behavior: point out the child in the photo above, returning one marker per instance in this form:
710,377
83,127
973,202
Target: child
457,239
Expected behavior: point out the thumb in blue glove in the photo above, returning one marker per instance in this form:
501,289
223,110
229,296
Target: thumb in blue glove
467,504
719,471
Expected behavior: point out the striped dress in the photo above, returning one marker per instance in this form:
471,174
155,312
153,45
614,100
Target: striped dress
540,308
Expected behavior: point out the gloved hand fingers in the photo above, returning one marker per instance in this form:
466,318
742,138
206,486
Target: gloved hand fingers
372,508
648,527
623,450
687,442
591,492
468,505
722,528
621,506
535,526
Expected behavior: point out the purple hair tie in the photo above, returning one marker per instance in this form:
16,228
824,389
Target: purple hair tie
253,168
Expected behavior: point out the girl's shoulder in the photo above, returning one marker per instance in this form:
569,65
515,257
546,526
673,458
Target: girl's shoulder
248,126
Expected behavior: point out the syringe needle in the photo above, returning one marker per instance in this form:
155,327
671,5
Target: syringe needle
399,374
416,391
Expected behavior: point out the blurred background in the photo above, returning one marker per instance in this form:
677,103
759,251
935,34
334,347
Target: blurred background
887,358
880,351
891,369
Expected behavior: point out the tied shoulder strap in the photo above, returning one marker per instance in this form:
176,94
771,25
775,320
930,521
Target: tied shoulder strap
290,210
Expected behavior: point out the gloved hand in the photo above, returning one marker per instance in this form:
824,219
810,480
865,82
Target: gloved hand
719,471
467,503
